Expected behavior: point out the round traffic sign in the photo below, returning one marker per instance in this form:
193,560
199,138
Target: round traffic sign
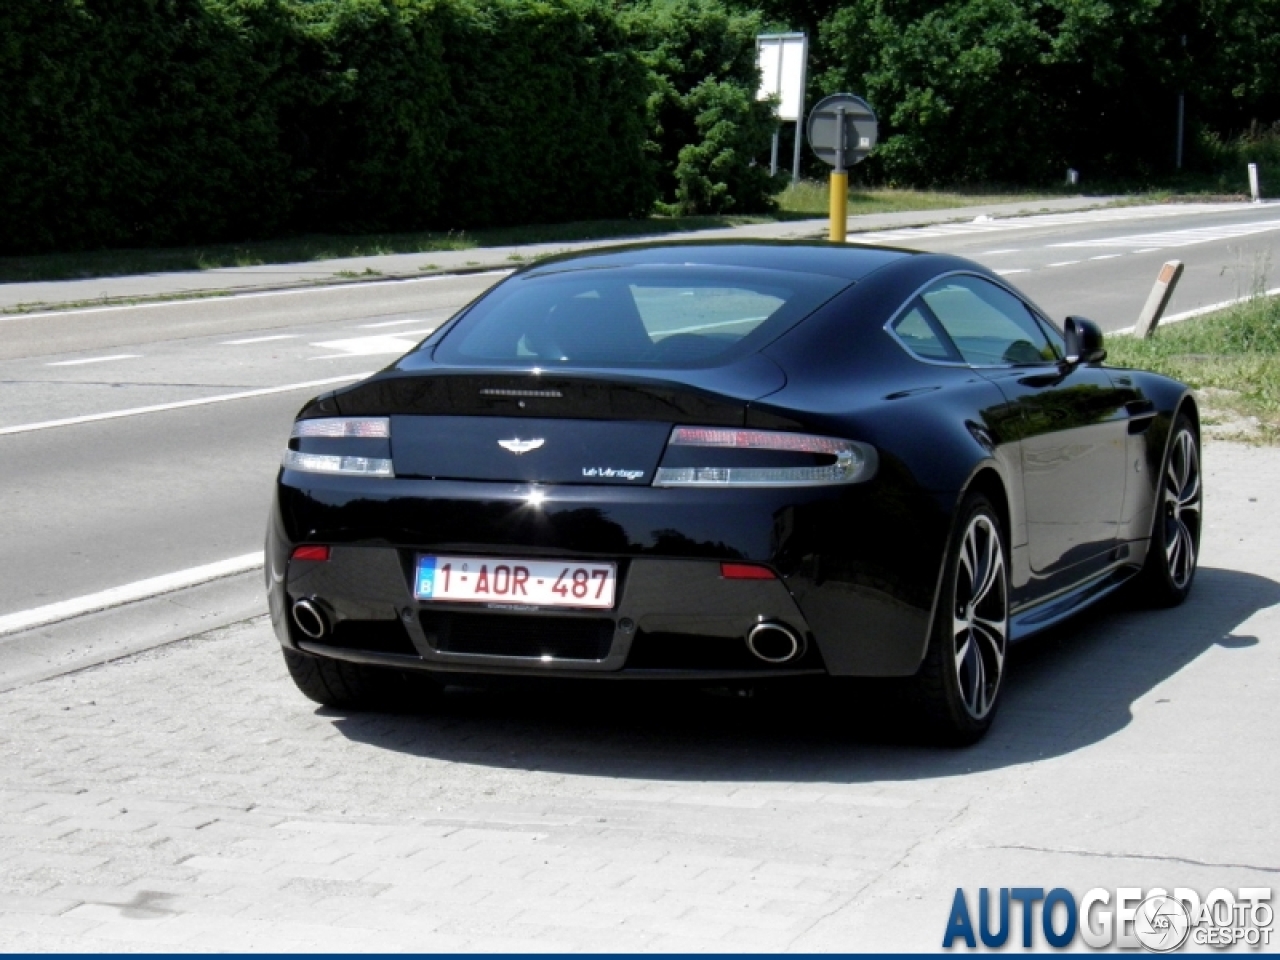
842,124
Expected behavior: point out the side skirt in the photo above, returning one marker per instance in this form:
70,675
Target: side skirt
1045,614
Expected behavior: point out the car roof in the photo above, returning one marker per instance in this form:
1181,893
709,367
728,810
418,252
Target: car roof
847,261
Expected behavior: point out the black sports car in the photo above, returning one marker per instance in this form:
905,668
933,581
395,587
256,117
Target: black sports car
728,461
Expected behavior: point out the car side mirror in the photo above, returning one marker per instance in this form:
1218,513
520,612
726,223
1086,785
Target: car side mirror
1084,341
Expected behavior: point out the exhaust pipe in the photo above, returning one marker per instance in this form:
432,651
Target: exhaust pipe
775,643
310,619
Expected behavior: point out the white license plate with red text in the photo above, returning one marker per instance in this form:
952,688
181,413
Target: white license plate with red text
542,583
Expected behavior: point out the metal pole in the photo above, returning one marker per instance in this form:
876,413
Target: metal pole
1254,193
804,79
1181,104
773,154
1178,160
838,206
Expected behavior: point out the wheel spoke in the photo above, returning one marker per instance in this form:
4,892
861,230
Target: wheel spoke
977,681
992,568
963,651
1186,561
1173,549
993,636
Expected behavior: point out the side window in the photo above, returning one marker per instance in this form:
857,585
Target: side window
989,326
918,336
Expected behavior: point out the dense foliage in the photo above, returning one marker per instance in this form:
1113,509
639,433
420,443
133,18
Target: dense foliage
1019,90
142,122
132,122
706,126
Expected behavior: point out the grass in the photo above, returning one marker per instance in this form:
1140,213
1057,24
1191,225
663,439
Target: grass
808,199
1231,358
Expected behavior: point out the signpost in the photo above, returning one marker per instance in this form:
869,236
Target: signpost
783,60
842,130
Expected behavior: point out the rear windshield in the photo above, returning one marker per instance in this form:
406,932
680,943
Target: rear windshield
637,316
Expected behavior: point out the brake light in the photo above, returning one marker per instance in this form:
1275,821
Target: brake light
311,551
843,461
746,571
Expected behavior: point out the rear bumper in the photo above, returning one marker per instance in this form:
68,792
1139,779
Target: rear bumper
849,590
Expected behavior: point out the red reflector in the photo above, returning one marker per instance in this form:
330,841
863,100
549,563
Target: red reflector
745,571
311,552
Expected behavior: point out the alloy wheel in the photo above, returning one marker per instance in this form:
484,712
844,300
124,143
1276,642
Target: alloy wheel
1181,507
980,623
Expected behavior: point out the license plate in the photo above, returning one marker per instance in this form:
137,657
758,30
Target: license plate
541,583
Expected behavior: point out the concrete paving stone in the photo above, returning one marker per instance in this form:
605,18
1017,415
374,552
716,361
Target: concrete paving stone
31,834
69,862
740,919
329,887
50,904
456,895
37,923
362,833
232,865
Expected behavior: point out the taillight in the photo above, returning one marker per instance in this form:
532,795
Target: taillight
352,446
725,457
369,428
311,551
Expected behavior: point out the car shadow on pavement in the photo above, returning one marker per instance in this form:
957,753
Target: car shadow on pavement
1065,689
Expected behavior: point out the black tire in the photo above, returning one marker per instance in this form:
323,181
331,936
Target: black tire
1174,552
958,686
340,683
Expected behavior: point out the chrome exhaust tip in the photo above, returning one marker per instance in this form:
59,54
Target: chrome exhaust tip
775,643
310,619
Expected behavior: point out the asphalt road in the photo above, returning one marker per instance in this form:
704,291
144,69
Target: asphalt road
98,503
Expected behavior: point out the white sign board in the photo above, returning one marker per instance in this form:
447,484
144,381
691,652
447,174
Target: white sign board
782,58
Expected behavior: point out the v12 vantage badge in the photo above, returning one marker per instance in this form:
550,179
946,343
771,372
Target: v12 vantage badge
611,473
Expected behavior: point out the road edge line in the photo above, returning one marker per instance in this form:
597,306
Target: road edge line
1201,311
179,404
128,593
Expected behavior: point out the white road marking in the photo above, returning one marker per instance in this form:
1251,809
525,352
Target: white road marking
1179,238
706,326
1007,273
1201,311
316,288
1149,250
180,404
368,346
129,593
81,363
992,253
1108,215
390,323
1107,256
1064,263
278,336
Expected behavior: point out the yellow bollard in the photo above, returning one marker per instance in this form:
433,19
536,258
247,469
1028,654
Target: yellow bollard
839,206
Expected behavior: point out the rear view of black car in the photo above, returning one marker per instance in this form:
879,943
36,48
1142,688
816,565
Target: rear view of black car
725,462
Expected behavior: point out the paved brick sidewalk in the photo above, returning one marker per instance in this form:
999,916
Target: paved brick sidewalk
189,799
